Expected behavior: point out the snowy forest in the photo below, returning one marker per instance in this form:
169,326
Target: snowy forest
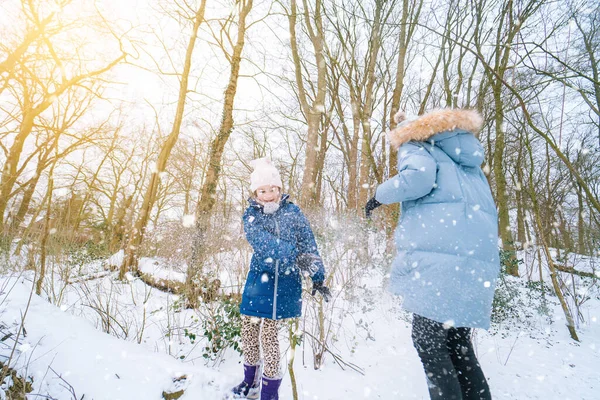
127,129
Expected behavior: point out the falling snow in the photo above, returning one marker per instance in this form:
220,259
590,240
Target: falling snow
188,220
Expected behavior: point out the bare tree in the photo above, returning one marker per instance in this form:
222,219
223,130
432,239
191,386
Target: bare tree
353,68
196,17
209,186
411,12
311,109
509,22
40,80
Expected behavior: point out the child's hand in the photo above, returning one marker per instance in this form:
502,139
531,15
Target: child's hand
308,263
370,206
324,290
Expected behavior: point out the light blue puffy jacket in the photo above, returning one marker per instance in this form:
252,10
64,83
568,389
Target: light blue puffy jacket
447,236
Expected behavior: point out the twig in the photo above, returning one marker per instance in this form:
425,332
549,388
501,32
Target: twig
68,385
89,277
338,358
511,349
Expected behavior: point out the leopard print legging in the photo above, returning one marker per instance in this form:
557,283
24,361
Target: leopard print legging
252,338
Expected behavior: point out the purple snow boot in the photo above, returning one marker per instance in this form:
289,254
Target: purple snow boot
250,386
270,388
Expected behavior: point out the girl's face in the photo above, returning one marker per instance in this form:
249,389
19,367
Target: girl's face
268,194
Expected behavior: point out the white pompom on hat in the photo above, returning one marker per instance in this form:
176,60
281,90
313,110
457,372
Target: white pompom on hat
399,117
402,119
264,174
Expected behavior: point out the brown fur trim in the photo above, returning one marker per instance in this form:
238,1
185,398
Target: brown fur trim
434,122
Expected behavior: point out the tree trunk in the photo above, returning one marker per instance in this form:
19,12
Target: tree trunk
9,171
581,247
46,231
132,250
116,233
367,163
195,278
321,165
542,237
521,209
353,181
407,25
26,200
500,179
312,112
501,57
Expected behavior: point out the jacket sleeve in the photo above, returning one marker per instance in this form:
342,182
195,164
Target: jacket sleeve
265,244
416,176
307,244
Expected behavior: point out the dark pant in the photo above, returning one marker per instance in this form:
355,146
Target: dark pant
449,361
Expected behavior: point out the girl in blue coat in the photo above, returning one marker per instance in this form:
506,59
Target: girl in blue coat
284,249
447,239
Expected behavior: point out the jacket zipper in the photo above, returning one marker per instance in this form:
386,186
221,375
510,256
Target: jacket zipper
276,274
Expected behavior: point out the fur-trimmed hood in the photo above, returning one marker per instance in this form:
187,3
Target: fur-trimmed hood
432,123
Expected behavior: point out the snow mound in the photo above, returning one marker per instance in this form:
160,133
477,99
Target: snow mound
64,353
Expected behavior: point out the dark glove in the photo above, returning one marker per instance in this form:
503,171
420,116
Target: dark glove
308,263
370,206
324,290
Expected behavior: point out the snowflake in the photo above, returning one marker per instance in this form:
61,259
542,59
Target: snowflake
188,220
24,348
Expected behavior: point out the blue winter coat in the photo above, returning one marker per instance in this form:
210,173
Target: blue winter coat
447,237
274,284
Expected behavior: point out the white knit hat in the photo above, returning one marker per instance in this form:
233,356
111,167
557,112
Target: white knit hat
264,174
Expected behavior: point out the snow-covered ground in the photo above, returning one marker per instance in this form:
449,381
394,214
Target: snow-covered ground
65,350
